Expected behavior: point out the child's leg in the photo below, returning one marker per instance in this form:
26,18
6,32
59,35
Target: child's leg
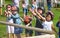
25,11
17,36
9,35
31,33
49,6
26,33
12,35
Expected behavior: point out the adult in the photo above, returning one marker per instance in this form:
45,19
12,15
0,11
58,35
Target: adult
40,3
49,5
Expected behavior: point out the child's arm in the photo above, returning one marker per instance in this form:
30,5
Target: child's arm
54,28
29,23
5,13
22,19
15,16
41,17
34,13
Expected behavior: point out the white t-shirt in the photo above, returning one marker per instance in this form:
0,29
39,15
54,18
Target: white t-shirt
47,25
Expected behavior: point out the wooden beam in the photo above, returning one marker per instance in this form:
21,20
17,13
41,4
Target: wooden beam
29,28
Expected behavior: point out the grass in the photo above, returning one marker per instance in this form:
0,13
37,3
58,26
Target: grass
3,33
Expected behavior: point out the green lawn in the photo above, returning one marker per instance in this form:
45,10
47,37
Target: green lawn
3,33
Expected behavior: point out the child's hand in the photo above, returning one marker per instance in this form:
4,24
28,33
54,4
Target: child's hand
32,12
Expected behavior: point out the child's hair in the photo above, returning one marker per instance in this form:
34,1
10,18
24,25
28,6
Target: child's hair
17,9
23,2
49,13
41,8
8,5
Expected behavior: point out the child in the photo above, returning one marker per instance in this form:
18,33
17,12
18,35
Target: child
28,20
38,20
16,20
58,25
48,23
25,7
8,14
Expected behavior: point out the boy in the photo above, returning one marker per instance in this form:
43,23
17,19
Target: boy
27,20
38,20
16,20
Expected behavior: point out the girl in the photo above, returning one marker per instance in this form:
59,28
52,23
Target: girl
8,14
48,23
16,20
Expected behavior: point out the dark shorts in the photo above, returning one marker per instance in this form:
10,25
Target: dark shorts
17,30
30,32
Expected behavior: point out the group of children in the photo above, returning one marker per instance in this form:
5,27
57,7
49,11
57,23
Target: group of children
12,15
43,22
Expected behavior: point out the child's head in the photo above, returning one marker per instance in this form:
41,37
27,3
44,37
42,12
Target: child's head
33,1
49,16
14,9
40,10
27,19
23,2
8,7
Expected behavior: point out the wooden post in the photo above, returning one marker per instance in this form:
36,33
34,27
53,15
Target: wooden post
0,10
1,2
